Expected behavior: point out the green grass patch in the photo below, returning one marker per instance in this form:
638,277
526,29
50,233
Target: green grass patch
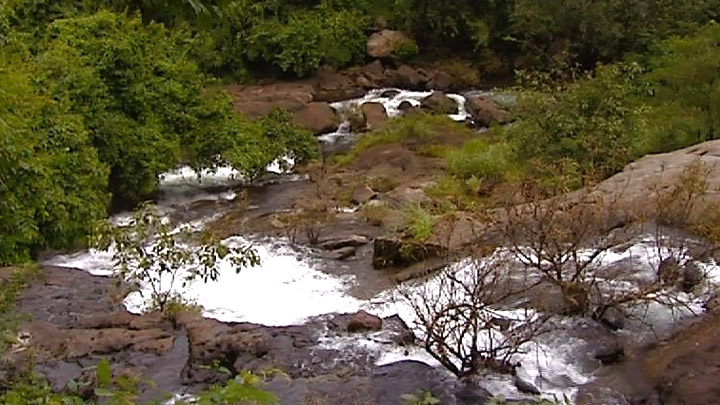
430,129
480,158
419,223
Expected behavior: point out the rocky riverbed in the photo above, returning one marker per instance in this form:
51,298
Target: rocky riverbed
294,312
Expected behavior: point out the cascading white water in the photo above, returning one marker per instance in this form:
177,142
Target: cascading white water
390,98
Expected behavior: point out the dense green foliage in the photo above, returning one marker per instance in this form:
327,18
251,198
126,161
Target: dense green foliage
586,129
102,104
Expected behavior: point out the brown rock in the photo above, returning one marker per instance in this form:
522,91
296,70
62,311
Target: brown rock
362,194
485,112
337,243
362,321
375,115
318,117
374,73
333,86
439,103
383,44
407,77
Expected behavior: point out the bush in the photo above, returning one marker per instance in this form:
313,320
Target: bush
52,183
480,159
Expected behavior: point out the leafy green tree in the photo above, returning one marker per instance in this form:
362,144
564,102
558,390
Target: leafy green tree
602,30
590,128
52,184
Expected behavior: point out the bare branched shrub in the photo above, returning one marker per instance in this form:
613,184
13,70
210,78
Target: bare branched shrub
564,238
461,323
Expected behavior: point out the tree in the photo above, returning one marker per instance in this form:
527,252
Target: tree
52,183
461,318
148,250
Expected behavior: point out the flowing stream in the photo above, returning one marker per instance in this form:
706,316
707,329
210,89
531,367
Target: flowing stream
289,287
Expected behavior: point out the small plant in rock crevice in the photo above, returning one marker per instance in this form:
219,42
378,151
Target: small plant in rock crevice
148,250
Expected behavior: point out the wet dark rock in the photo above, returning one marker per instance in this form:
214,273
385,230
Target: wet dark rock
342,253
525,387
471,393
411,377
400,333
439,103
393,251
692,275
390,93
610,353
613,318
362,321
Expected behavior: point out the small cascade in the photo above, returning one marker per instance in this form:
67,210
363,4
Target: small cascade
391,99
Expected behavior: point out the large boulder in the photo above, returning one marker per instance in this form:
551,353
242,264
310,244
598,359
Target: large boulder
439,103
393,251
375,115
332,86
385,43
486,112
407,77
256,101
362,321
318,117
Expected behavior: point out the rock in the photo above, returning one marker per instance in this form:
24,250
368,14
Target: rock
485,112
439,103
375,115
640,180
441,80
390,381
613,318
692,275
362,194
405,106
524,386
257,101
712,304
390,93
404,196
383,44
399,331
610,353
375,73
668,270
470,392
352,240
407,77
391,251
342,253
331,86
318,117
362,321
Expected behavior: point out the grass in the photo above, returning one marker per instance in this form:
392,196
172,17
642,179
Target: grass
429,128
419,223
